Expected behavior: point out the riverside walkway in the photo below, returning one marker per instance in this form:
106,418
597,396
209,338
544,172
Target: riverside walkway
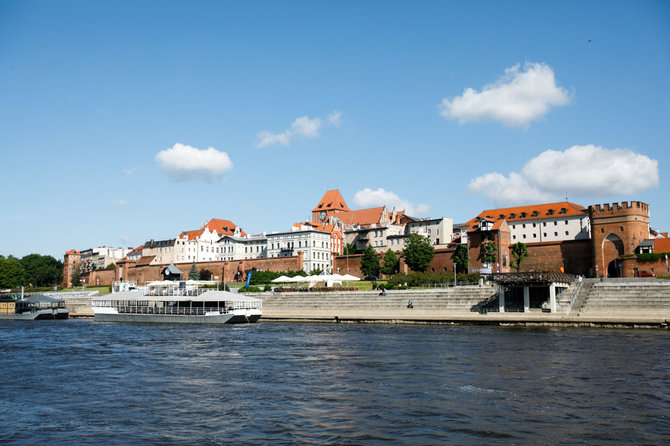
629,303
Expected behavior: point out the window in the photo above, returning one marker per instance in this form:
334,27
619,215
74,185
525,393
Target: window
566,222
533,224
512,215
534,213
534,235
544,223
523,225
621,228
545,234
563,211
524,236
514,237
550,212
567,233
556,234
555,223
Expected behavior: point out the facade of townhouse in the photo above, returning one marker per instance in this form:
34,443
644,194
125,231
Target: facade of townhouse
158,252
231,247
100,257
314,245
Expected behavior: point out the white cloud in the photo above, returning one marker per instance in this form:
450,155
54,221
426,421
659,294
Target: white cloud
580,171
335,118
367,198
516,99
304,126
124,238
129,171
121,202
182,162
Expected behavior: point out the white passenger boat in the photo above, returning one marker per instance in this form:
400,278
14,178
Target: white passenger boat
176,302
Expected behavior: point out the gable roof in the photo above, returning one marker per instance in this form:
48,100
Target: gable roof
362,217
332,200
532,212
222,227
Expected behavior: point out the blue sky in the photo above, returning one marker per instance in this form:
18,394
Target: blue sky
126,121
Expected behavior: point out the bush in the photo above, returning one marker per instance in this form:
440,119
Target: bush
427,279
252,289
267,288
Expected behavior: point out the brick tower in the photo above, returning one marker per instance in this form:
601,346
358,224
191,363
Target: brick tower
617,230
71,260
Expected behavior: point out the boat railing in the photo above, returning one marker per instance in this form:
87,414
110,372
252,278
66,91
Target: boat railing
185,311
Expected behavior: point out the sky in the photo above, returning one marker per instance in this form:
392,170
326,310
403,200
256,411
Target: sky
126,121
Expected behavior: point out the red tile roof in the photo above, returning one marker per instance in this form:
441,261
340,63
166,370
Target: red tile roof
72,251
332,200
362,217
662,245
145,260
532,212
222,227
136,250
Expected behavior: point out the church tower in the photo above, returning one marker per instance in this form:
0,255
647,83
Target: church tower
332,203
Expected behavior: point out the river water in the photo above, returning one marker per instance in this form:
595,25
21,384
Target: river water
82,382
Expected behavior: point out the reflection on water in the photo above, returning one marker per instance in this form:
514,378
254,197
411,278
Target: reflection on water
79,382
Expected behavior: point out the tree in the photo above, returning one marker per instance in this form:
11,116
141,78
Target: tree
489,251
350,249
42,270
462,258
418,253
370,262
76,275
11,273
194,274
519,252
390,263
111,266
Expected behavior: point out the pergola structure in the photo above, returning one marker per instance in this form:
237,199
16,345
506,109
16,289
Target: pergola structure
537,282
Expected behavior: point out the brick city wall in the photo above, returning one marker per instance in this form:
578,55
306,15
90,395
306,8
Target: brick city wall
574,256
233,270
98,277
443,261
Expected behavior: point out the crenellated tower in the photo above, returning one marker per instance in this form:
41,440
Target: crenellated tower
616,230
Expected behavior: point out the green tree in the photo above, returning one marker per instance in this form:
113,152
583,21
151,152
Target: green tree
462,258
42,270
418,253
489,251
111,266
519,253
370,262
76,275
350,249
390,263
194,274
11,273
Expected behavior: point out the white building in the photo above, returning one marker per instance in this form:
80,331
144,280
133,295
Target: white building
538,223
231,247
315,246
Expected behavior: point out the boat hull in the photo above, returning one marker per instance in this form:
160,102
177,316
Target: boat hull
50,314
164,318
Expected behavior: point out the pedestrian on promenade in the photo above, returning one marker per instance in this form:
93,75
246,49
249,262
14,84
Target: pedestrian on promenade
410,304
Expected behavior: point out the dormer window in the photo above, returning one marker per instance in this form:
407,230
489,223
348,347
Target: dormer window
563,211
512,215
550,212
534,213
501,216
523,215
